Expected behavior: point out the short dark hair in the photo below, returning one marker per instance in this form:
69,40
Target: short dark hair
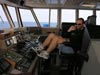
82,20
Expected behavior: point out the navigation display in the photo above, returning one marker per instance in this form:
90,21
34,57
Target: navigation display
14,39
8,43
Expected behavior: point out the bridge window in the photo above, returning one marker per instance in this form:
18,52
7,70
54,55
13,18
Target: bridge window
53,18
3,19
98,17
27,18
68,15
13,15
47,17
43,16
85,13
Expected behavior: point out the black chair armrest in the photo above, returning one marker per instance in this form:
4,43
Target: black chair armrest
83,56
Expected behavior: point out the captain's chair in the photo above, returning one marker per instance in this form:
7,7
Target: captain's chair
73,62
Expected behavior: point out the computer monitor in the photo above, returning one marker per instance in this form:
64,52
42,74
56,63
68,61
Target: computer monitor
14,39
8,43
11,41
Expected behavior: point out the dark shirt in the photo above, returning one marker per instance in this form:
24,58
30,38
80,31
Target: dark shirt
75,39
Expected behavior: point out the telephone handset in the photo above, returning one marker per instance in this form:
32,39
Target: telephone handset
4,65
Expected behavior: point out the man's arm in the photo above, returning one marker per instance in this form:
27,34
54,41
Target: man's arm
71,28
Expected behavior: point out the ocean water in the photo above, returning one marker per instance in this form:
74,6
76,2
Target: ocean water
5,24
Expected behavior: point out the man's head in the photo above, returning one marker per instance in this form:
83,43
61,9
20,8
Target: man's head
80,23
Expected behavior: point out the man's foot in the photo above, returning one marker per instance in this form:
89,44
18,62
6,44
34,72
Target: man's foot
44,54
37,49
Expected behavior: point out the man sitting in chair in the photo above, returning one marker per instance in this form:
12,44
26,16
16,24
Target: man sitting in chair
74,40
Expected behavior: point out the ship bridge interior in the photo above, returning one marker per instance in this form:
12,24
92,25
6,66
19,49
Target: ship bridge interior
25,24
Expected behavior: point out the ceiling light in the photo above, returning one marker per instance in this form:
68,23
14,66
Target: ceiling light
88,4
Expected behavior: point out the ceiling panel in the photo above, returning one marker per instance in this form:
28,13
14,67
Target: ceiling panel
56,3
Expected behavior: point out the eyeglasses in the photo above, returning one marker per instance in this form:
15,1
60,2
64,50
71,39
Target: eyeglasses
78,24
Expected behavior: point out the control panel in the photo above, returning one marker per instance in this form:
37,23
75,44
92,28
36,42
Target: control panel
23,65
4,66
13,56
5,41
19,51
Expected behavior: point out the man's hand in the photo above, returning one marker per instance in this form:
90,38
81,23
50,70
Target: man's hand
72,28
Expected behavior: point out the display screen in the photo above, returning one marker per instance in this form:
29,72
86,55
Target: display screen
14,39
11,41
8,43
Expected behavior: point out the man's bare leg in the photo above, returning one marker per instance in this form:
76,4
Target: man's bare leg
56,40
53,44
48,40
